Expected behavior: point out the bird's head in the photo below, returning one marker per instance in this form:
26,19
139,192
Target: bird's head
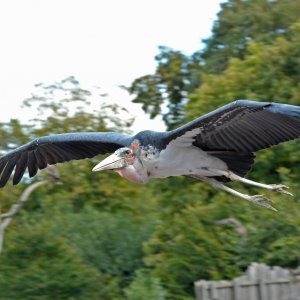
121,158
126,162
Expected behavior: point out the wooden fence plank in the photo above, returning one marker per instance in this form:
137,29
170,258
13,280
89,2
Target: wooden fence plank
236,291
214,292
262,290
201,290
259,283
272,287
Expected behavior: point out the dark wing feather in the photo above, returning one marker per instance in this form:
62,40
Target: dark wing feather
244,126
20,167
58,148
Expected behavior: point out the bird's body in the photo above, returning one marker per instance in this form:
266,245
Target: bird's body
215,148
172,161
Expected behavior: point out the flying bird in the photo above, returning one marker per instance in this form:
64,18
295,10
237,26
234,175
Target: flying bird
216,148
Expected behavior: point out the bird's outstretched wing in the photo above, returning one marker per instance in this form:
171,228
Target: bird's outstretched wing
244,126
57,149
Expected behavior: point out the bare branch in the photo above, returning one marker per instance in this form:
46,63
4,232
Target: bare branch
240,229
5,218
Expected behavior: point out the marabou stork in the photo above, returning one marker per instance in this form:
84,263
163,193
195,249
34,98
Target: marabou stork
216,148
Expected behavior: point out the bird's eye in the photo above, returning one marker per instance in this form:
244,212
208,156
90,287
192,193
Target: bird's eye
127,151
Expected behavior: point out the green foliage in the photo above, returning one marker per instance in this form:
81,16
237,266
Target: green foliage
274,239
112,243
12,134
145,287
175,76
240,22
38,264
66,107
267,73
283,247
187,245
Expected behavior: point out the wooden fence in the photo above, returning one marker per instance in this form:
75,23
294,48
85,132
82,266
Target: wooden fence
260,282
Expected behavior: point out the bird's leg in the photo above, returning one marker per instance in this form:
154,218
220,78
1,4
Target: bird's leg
260,200
273,187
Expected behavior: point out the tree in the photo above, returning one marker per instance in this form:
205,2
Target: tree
145,287
39,264
65,106
165,92
270,72
186,246
109,242
240,22
46,234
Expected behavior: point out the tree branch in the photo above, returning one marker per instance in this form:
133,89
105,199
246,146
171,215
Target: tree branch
5,218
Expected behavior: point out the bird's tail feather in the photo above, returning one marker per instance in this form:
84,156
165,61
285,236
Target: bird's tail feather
239,163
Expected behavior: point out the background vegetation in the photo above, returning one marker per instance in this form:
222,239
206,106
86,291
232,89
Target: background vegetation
101,237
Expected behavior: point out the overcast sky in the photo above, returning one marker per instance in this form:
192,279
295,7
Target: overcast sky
102,43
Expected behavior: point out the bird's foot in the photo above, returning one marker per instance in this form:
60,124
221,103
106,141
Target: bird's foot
261,200
280,188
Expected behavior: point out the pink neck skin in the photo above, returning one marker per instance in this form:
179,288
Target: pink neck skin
131,174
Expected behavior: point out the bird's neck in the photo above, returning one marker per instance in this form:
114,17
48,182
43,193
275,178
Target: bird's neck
139,171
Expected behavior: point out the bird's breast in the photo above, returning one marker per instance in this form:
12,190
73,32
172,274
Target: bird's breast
184,161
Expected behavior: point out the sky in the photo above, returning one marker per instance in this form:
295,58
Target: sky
104,43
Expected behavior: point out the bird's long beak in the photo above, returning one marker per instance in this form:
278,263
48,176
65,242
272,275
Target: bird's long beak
109,163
